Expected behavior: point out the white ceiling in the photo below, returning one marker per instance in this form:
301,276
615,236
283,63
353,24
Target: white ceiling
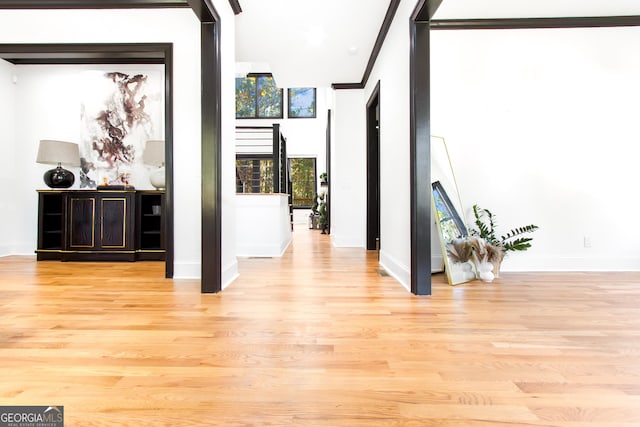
279,34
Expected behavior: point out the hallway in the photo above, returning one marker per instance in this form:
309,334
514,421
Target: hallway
318,338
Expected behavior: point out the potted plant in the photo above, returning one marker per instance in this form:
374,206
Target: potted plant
324,179
498,246
314,216
323,223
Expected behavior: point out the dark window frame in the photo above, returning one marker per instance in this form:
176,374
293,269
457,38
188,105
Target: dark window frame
256,100
315,180
292,115
252,157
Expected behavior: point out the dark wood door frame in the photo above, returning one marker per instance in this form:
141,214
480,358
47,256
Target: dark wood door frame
328,170
211,257
373,168
420,147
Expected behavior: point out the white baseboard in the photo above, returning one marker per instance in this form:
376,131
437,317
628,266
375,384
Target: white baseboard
341,241
5,250
194,271
230,273
266,251
191,270
528,262
20,249
437,263
396,269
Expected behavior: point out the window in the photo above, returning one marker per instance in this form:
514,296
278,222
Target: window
302,102
303,178
254,175
258,97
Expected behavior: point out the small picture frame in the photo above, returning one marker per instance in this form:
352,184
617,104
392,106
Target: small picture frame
302,102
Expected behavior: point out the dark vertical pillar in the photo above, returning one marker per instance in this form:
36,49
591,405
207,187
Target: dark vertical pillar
211,160
168,161
420,168
284,167
328,170
276,158
373,169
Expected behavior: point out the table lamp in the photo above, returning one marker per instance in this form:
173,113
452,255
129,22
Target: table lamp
154,156
51,152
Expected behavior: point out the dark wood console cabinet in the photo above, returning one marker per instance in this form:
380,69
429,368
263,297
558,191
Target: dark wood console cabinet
89,225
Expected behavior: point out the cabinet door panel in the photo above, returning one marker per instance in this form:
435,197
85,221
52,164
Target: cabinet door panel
114,222
82,220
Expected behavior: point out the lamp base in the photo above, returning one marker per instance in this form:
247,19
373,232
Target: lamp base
59,178
157,178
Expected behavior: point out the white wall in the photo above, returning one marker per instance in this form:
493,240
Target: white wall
542,126
228,82
182,28
47,106
392,70
348,170
8,171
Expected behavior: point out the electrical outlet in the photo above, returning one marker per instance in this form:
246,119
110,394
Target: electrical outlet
587,241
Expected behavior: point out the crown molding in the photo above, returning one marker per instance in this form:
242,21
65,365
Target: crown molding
536,23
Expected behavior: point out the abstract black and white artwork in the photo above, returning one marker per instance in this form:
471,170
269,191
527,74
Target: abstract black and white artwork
119,113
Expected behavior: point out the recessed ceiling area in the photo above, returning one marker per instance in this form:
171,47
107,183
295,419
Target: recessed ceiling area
309,43
487,9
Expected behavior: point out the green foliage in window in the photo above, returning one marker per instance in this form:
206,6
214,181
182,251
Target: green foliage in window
269,98
303,172
254,176
258,97
302,102
245,97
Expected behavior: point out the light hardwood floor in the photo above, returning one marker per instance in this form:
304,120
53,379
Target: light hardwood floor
318,338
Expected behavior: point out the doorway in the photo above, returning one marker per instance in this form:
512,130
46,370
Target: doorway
117,53
373,170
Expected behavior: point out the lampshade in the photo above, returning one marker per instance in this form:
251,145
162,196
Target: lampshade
51,152
154,153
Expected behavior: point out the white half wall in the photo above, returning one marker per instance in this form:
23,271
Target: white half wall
8,171
263,224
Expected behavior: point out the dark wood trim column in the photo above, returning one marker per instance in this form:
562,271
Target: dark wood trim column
211,259
275,156
328,170
168,156
373,169
420,151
